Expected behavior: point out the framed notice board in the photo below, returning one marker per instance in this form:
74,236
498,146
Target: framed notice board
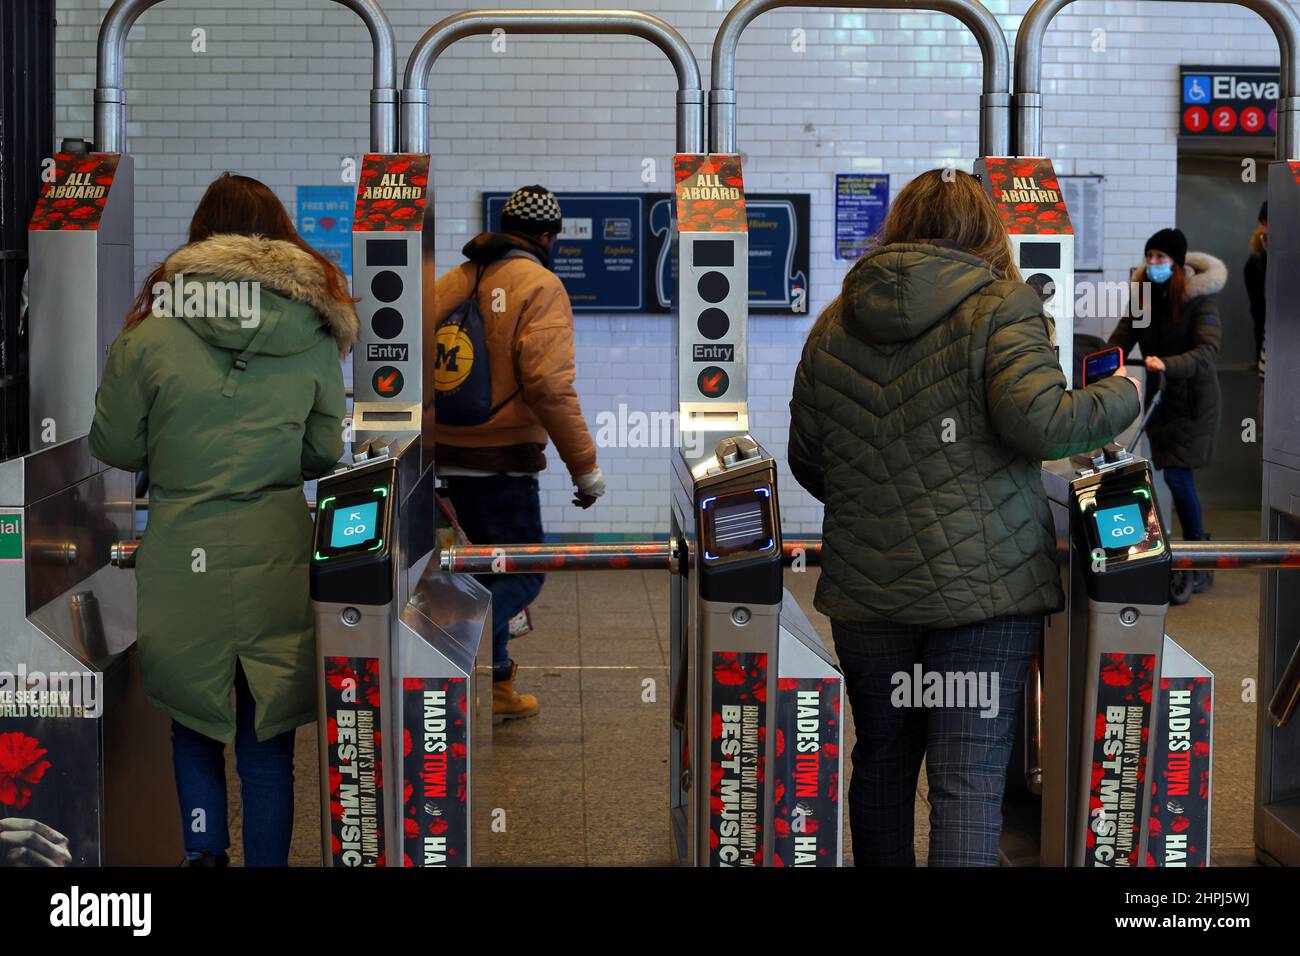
598,253
778,252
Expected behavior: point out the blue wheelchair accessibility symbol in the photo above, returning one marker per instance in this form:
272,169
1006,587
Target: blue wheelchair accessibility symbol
1196,89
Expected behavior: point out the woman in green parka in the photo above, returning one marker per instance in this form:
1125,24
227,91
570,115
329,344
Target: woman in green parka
226,388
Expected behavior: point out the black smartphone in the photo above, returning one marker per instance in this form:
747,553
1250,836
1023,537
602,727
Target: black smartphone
1102,364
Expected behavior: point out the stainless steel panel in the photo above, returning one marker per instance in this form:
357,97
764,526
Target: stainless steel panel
688,305
1277,749
450,613
82,285
1282,326
70,536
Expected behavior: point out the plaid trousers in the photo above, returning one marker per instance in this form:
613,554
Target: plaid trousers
966,754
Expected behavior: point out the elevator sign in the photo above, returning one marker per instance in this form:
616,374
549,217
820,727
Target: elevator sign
1228,101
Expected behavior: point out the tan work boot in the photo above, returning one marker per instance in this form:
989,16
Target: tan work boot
506,704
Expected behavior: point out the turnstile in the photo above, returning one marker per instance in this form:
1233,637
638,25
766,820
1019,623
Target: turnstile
92,757
1277,760
1118,728
755,729
397,641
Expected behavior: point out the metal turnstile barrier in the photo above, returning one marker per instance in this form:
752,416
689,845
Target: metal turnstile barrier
397,642
72,706
97,755
1093,797
756,713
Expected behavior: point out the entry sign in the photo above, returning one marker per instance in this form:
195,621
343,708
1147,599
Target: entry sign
1228,101
861,201
325,222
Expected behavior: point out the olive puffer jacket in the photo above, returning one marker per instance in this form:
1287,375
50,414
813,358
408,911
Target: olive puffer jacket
222,572
924,405
1183,429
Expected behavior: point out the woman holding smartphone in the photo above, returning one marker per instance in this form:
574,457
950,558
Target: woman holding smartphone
927,398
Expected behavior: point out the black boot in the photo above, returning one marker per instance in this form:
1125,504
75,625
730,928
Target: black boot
209,859
1202,580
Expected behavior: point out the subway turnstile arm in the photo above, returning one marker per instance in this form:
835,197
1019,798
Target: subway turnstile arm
110,92
636,555
1028,99
657,555
415,93
994,102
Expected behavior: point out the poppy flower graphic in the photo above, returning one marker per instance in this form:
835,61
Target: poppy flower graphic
1115,671
21,768
727,671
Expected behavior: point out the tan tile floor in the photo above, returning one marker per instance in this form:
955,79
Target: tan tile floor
585,782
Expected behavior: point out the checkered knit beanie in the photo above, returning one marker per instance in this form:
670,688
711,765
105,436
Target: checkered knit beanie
531,210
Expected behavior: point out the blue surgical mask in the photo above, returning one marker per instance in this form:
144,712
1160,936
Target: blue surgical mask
1160,271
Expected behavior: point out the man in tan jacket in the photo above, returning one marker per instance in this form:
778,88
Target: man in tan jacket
489,471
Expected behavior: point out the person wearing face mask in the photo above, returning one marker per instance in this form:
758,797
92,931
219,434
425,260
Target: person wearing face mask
1177,328
1254,273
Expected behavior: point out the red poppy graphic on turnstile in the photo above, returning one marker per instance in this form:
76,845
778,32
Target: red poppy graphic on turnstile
1028,195
1178,828
74,199
1120,733
353,702
737,766
22,765
392,193
710,193
435,772
805,779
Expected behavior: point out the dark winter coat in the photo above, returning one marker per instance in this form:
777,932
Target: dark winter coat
1184,428
222,572
924,405
1255,273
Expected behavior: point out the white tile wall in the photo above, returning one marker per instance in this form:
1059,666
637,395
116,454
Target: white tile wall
281,94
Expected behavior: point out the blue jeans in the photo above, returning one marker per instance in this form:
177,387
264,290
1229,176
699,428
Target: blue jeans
265,786
966,754
1186,502
500,509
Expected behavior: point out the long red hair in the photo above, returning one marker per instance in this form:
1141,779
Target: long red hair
243,206
1177,287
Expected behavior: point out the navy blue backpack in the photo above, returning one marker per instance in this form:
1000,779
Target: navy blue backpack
462,376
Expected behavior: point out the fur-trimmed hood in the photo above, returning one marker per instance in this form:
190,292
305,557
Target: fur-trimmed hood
1206,275
283,271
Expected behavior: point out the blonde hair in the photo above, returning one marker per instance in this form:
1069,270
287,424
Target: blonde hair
950,205
947,205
